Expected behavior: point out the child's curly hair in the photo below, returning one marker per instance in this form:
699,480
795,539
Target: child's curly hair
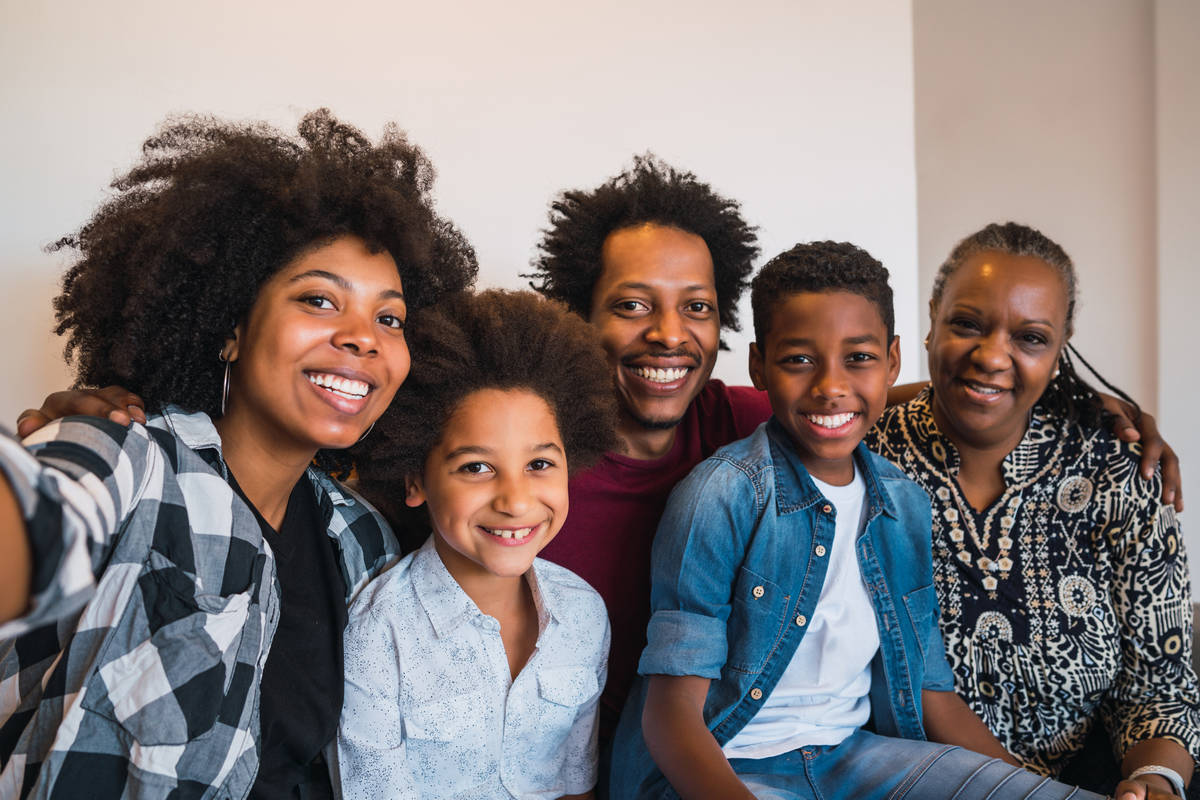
490,340
176,258
651,191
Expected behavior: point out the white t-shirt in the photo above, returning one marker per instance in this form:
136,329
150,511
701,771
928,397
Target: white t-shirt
821,698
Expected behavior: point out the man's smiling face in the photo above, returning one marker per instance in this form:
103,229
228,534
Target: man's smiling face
655,309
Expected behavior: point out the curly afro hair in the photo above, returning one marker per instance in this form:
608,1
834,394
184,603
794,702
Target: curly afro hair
175,259
490,340
650,192
820,267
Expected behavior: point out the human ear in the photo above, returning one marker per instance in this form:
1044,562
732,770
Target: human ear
414,492
894,360
756,367
229,350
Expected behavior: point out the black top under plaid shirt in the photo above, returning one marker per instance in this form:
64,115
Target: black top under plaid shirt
136,671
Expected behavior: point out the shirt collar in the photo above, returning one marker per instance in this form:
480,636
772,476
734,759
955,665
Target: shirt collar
1023,460
794,488
448,606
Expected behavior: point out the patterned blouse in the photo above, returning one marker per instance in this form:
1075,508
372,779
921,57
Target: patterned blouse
1066,601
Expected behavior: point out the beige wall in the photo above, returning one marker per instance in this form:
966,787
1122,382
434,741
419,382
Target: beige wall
1043,113
1177,67
1078,117
802,113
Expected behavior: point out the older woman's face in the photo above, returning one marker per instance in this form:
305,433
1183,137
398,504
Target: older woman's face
994,344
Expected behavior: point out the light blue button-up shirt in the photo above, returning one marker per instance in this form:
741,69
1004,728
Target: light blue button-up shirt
430,710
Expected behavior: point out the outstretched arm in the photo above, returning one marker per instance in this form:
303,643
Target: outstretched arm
680,742
16,558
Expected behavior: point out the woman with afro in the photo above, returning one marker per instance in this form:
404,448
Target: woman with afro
173,594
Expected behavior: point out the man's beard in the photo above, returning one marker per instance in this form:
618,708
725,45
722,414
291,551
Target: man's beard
655,424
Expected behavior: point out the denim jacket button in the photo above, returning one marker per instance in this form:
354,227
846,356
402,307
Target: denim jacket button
827,508
801,620
758,591
820,550
756,693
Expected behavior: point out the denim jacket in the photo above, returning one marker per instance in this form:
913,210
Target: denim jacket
738,564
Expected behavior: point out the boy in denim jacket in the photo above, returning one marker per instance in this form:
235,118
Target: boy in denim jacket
792,585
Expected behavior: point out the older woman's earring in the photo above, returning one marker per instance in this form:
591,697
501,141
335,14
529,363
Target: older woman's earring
225,386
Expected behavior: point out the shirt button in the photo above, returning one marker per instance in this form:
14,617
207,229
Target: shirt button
820,551
756,693
758,591
801,620
827,508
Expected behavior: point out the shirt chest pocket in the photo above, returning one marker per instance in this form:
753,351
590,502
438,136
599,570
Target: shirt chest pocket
757,621
166,669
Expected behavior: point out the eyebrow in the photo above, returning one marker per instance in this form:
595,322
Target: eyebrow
866,338
342,283
975,310
476,449
646,287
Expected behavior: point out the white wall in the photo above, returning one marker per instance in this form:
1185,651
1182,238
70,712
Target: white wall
1177,70
802,113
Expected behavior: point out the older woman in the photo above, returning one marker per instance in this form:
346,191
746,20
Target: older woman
1061,576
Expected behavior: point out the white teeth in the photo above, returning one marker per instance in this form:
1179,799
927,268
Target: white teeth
519,533
655,375
983,389
830,420
343,387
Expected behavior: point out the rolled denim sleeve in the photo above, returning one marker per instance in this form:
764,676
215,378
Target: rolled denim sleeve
75,482
700,543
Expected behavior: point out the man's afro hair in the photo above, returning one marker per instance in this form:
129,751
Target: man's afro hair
651,191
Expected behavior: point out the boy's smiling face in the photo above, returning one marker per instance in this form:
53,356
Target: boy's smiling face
826,365
496,485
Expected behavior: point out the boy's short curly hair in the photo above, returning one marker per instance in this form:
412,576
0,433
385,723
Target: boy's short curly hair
651,191
820,267
175,259
491,340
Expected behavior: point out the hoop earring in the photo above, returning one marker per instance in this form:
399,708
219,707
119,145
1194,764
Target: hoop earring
367,432
225,386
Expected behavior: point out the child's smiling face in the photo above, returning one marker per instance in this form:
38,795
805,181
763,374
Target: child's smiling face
495,484
826,364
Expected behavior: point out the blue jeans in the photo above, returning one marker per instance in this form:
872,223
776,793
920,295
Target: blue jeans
870,767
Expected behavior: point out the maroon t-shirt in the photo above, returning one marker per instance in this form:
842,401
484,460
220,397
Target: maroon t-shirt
615,508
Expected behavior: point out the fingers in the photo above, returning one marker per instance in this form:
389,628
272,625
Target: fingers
111,402
1172,479
125,402
1131,790
1124,427
29,421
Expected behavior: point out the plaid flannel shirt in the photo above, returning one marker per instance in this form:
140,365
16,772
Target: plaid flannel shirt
136,670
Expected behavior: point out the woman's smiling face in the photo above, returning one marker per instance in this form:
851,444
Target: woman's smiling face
994,342
322,351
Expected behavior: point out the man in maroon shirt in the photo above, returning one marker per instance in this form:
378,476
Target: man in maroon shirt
656,261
